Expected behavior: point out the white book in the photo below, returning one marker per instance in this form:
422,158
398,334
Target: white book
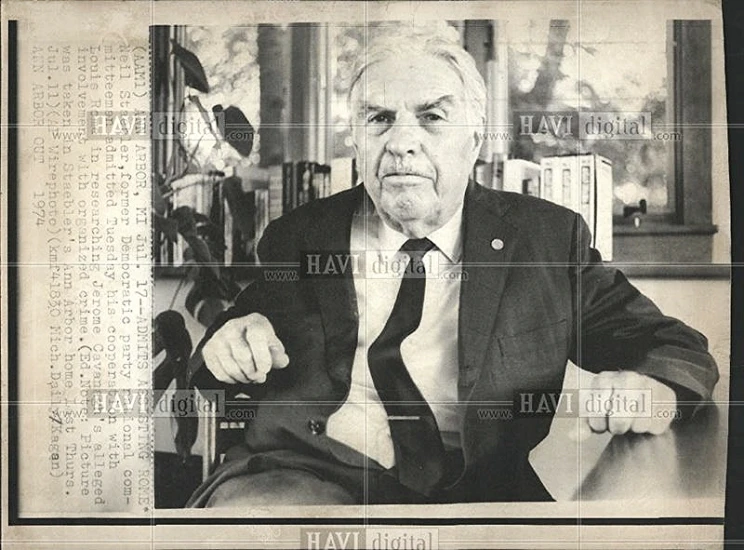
582,183
521,176
275,192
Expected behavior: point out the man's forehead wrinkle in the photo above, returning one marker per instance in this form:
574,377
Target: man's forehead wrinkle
426,104
445,99
440,75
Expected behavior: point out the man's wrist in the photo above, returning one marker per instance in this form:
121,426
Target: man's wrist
687,400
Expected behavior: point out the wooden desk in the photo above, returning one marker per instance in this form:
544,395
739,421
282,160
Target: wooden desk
687,462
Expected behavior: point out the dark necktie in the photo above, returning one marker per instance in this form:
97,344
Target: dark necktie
419,452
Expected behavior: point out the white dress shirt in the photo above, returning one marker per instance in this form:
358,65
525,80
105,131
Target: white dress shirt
429,353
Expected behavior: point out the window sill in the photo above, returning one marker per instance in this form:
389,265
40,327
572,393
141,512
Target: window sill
677,271
651,228
662,244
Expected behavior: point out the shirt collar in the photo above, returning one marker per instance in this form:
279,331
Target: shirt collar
448,238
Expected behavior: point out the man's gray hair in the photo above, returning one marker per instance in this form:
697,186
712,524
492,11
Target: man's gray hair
441,41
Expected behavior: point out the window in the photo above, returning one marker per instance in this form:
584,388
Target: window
661,73
229,58
663,70
601,70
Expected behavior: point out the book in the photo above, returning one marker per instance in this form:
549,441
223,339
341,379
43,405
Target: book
288,187
195,192
304,177
276,192
262,212
521,176
325,173
301,182
582,183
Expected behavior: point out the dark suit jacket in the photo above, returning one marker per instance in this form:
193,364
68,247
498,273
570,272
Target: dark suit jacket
525,310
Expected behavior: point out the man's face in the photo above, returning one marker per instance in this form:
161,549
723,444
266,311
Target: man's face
415,140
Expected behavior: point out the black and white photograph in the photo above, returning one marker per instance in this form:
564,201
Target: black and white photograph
406,338
369,275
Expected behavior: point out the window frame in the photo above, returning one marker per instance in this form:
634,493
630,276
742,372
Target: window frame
669,245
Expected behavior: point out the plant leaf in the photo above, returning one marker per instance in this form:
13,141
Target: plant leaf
204,114
184,215
162,376
170,327
201,218
188,230
158,202
188,425
207,299
201,252
192,68
171,334
188,255
235,128
198,293
241,208
195,295
167,226
232,289
188,429
210,309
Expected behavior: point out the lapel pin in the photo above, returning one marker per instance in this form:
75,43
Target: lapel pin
497,244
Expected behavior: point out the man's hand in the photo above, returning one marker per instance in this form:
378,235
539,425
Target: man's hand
244,350
626,401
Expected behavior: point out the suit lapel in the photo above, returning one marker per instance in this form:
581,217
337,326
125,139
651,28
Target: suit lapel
489,241
486,265
336,296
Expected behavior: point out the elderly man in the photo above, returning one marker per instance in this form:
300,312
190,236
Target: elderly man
369,381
